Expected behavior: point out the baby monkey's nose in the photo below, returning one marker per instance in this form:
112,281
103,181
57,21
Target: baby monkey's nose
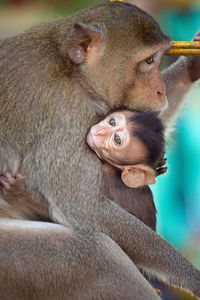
102,132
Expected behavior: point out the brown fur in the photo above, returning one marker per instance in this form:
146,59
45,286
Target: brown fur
138,202
47,106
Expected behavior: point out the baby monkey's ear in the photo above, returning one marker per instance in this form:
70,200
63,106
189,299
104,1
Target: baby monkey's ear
137,175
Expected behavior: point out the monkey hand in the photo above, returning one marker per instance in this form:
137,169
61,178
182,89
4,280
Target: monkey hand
193,63
12,186
160,169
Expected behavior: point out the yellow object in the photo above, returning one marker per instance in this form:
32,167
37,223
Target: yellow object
158,292
185,294
180,293
184,48
117,0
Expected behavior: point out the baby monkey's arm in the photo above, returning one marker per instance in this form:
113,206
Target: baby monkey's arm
27,202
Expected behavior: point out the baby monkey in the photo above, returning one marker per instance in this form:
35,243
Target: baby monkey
130,145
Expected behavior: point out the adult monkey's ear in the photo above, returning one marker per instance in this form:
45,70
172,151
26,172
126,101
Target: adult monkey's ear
83,42
137,175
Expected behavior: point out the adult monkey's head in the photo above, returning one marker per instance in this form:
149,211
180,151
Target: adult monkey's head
116,50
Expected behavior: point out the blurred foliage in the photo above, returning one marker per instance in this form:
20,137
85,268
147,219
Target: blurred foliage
18,15
58,6
63,8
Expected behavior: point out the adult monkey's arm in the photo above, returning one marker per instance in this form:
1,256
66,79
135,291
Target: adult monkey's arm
178,78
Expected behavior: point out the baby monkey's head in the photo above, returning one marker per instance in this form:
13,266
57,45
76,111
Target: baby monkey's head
128,139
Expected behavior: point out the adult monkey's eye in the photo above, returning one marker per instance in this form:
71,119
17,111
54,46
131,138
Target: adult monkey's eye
117,139
112,122
149,60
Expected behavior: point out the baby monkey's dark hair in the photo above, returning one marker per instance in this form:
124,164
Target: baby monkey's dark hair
148,128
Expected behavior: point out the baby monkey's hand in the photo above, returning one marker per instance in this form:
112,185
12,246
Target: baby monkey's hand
12,186
160,169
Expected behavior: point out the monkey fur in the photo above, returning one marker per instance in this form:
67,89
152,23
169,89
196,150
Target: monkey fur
57,80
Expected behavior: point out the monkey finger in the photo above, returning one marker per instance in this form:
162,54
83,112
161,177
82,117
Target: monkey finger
5,186
161,162
1,188
21,183
19,176
3,177
163,155
161,171
11,179
3,180
193,62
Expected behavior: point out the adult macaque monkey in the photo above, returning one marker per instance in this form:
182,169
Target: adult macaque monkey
56,81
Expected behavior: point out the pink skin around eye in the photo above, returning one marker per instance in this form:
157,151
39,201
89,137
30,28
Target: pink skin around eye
100,139
101,136
97,138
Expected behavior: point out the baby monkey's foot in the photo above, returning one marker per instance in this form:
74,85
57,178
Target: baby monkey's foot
160,169
12,186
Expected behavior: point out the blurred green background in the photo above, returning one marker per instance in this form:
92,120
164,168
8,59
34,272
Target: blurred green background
177,194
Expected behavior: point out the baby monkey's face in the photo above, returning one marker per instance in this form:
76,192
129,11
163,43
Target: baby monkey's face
112,139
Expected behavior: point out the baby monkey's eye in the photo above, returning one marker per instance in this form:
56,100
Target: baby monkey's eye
117,139
112,122
149,60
